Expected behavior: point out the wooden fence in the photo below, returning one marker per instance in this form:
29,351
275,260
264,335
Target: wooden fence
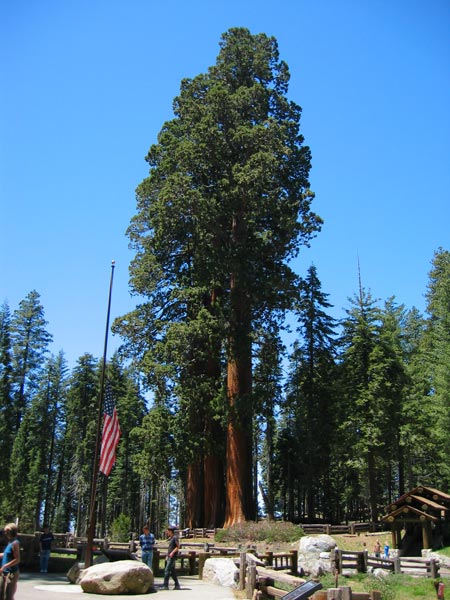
409,565
350,528
260,582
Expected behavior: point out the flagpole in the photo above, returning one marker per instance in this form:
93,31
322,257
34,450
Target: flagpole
91,524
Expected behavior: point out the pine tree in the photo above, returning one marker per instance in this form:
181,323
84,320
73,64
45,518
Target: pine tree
315,363
121,490
79,442
363,436
7,421
224,208
268,398
308,411
438,308
30,341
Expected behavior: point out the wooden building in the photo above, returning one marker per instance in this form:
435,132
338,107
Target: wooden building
423,515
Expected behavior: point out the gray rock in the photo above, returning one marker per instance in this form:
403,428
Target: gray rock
119,577
75,571
221,571
315,554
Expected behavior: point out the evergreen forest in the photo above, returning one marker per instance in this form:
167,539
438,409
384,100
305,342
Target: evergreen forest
221,420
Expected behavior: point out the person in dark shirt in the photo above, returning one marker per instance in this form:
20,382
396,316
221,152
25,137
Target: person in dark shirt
45,543
172,552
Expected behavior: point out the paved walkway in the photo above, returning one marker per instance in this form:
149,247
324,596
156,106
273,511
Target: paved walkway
55,586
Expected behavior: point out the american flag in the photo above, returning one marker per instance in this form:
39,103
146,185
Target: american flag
111,433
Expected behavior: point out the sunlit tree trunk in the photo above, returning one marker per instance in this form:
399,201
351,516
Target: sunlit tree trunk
239,486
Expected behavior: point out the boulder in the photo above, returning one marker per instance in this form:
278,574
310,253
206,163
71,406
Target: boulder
120,577
221,571
315,554
76,570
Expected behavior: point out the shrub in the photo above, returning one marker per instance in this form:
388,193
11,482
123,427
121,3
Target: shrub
261,531
120,529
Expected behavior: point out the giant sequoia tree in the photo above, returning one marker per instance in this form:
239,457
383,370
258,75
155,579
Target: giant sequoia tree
225,206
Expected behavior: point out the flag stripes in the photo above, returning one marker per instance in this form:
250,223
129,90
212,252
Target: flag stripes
110,435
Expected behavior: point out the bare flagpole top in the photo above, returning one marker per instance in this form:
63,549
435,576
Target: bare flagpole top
113,263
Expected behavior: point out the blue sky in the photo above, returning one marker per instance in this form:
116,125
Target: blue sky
87,85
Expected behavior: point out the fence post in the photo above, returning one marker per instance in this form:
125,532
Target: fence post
155,562
294,562
338,560
242,569
192,556
201,563
397,565
334,594
251,580
433,568
346,592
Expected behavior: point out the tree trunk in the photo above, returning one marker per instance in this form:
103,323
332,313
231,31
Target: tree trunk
214,491
194,494
239,487
372,485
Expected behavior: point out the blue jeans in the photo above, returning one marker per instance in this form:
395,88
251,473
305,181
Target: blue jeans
169,571
45,555
147,558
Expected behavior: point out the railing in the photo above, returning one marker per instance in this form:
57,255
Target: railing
287,561
351,528
261,583
409,565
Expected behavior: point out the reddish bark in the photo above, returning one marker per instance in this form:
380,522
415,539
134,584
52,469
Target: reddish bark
239,488
214,491
194,495
239,475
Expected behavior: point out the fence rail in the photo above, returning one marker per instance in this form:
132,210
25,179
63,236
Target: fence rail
409,565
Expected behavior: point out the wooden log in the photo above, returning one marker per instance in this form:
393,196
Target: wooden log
334,594
201,563
294,562
434,568
192,561
281,577
276,592
242,570
251,580
155,562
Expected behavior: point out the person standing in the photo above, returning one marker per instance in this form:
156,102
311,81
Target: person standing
147,542
172,552
9,570
377,549
45,543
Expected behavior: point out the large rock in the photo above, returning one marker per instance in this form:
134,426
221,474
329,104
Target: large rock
120,577
221,571
315,554
76,571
